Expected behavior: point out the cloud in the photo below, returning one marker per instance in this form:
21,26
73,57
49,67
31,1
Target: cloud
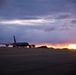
3,3
23,8
73,1
58,28
27,22
50,29
73,21
64,16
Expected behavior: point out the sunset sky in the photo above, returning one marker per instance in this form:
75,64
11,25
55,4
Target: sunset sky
38,21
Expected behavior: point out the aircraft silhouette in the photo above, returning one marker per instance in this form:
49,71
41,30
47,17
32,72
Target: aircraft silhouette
19,44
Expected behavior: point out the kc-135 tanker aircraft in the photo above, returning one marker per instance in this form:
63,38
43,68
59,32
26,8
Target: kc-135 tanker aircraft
19,44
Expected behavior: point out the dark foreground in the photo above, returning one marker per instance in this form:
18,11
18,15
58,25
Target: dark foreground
18,61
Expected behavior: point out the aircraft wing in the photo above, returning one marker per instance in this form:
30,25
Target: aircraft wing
6,44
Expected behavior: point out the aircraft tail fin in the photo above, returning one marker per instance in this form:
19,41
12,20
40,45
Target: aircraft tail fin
14,39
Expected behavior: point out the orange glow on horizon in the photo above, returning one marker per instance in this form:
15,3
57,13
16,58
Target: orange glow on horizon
68,45
54,46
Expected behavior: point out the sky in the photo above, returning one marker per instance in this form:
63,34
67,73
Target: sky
38,21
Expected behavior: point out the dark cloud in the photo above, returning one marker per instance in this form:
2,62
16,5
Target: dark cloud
63,16
23,8
50,29
58,28
73,1
3,3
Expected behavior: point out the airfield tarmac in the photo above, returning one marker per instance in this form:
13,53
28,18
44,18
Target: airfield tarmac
41,61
